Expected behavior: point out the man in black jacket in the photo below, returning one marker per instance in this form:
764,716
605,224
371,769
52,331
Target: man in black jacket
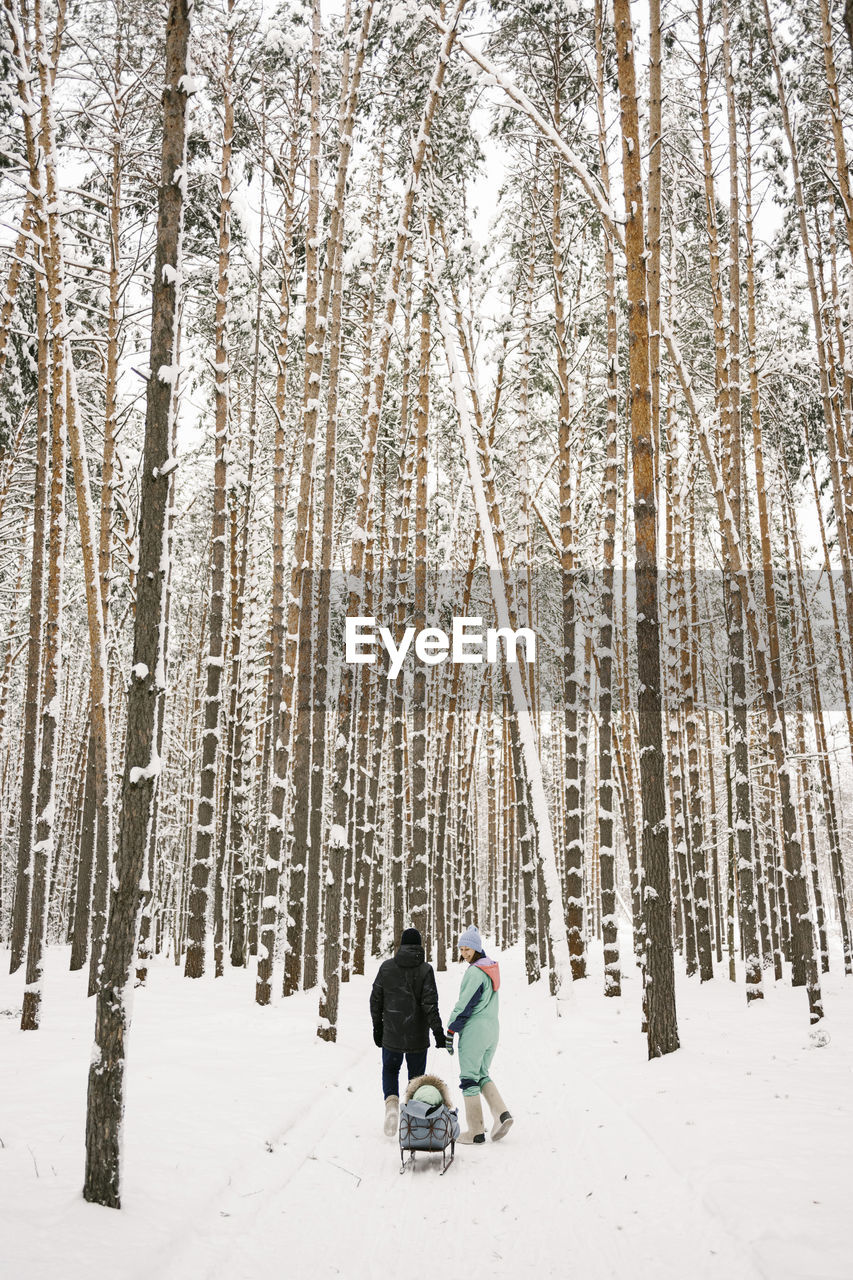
404,1007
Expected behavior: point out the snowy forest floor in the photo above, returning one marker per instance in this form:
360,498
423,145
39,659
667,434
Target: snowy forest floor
252,1148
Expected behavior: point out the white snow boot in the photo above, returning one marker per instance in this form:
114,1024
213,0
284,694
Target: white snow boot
475,1133
497,1106
392,1107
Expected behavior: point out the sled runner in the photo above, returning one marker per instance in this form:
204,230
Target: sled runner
427,1122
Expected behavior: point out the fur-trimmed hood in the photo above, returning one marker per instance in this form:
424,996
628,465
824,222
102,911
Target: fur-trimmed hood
436,1083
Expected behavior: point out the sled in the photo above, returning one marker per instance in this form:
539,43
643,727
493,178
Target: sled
445,1163
430,1128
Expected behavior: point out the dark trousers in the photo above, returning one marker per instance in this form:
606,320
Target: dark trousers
392,1061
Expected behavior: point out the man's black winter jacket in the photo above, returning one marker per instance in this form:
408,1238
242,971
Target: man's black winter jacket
404,1003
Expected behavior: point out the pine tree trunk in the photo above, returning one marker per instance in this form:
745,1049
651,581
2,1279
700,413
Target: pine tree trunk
836,857
606,851
332,297
660,978
10,290
43,848
281,471
419,856
240,662
32,687
205,831
573,873
105,1106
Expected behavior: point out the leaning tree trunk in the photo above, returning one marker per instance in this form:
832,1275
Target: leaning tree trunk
526,827
526,761
105,1108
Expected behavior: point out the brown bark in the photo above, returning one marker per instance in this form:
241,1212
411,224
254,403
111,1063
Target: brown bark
105,1107
606,851
281,473
295,708
332,303
32,687
205,830
46,799
573,871
660,978
419,857
10,291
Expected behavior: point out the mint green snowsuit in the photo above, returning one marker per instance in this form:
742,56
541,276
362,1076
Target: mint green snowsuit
474,1021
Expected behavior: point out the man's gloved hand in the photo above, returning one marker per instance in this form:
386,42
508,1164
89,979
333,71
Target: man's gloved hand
377,1036
448,1042
440,1040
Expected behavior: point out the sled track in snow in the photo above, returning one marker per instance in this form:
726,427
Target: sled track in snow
327,1199
230,1216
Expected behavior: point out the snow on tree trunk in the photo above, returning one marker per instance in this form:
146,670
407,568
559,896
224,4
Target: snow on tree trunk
659,977
205,844
106,1092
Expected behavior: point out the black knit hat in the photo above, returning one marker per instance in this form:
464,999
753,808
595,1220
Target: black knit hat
410,938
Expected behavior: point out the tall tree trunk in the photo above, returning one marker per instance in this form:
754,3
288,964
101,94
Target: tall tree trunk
419,858
42,850
304,853
660,977
836,857
281,472
10,290
105,1104
32,687
204,843
332,303
606,851
573,874
240,679
295,712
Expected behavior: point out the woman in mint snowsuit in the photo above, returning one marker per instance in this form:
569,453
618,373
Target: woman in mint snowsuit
474,1022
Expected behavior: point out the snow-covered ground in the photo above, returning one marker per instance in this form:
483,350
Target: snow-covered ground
253,1149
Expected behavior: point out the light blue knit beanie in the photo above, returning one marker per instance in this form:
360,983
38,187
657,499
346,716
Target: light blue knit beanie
471,938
